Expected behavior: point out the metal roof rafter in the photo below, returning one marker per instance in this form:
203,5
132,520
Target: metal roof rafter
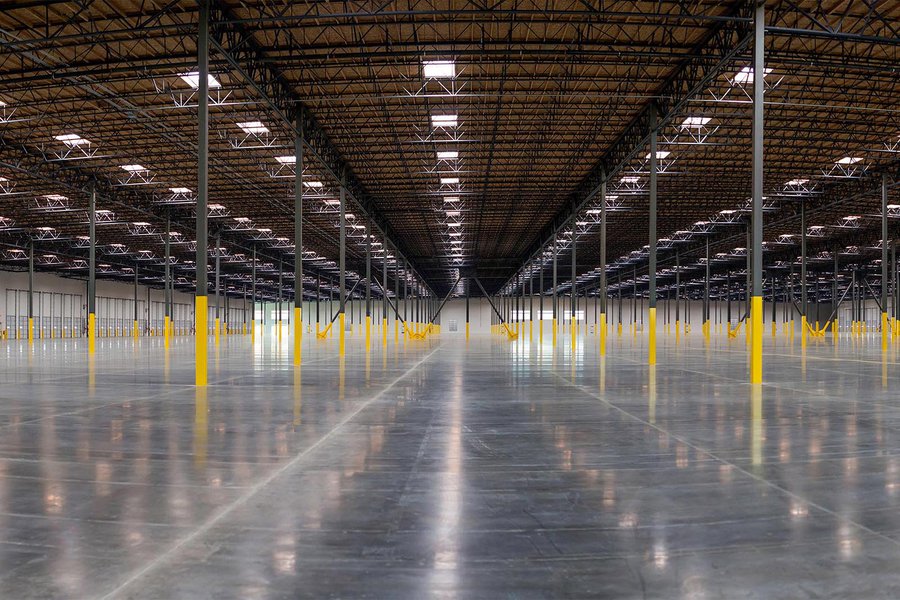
237,45
724,42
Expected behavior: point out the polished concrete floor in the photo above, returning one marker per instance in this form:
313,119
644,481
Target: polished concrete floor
442,469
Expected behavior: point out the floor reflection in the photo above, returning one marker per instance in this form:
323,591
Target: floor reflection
480,469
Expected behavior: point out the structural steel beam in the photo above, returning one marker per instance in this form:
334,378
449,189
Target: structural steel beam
725,40
239,48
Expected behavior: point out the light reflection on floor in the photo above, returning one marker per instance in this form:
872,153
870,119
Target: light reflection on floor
449,469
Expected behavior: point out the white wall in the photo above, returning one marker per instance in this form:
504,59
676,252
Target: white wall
692,312
114,299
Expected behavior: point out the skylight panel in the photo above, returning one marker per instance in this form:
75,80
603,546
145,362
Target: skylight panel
745,75
695,122
660,154
447,155
444,120
449,180
312,183
630,179
848,160
254,127
439,69
286,160
193,80
180,190
133,168
451,198
453,213
72,140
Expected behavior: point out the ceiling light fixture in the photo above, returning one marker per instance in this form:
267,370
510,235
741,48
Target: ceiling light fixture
193,80
439,69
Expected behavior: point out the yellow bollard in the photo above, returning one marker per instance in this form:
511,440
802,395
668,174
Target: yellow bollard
341,334
554,331
602,333
756,318
651,342
884,331
202,339
30,330
368,332
166,330
298,335
92,333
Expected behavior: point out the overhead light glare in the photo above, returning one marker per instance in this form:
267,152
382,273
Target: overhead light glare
444,120
449,180
255,127
745,75
695,122
72,140
286,160
660,154
439,69
193,80
180,190
312,183
849,160
447,155
133,168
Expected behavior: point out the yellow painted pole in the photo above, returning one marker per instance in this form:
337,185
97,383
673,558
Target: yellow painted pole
216,330
554,332
572,332
651,342
396,332
541,331
368,333
677,331
341,335
202,339
803,327
602,334
884,331
92,333
134,330
166,330
756,331
298,335
30,330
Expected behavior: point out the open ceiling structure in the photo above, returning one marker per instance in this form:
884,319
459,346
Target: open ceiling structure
467,134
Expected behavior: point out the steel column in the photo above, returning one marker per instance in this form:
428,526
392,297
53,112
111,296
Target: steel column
651,343
200,301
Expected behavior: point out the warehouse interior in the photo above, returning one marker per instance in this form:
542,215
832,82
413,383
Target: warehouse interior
449,299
